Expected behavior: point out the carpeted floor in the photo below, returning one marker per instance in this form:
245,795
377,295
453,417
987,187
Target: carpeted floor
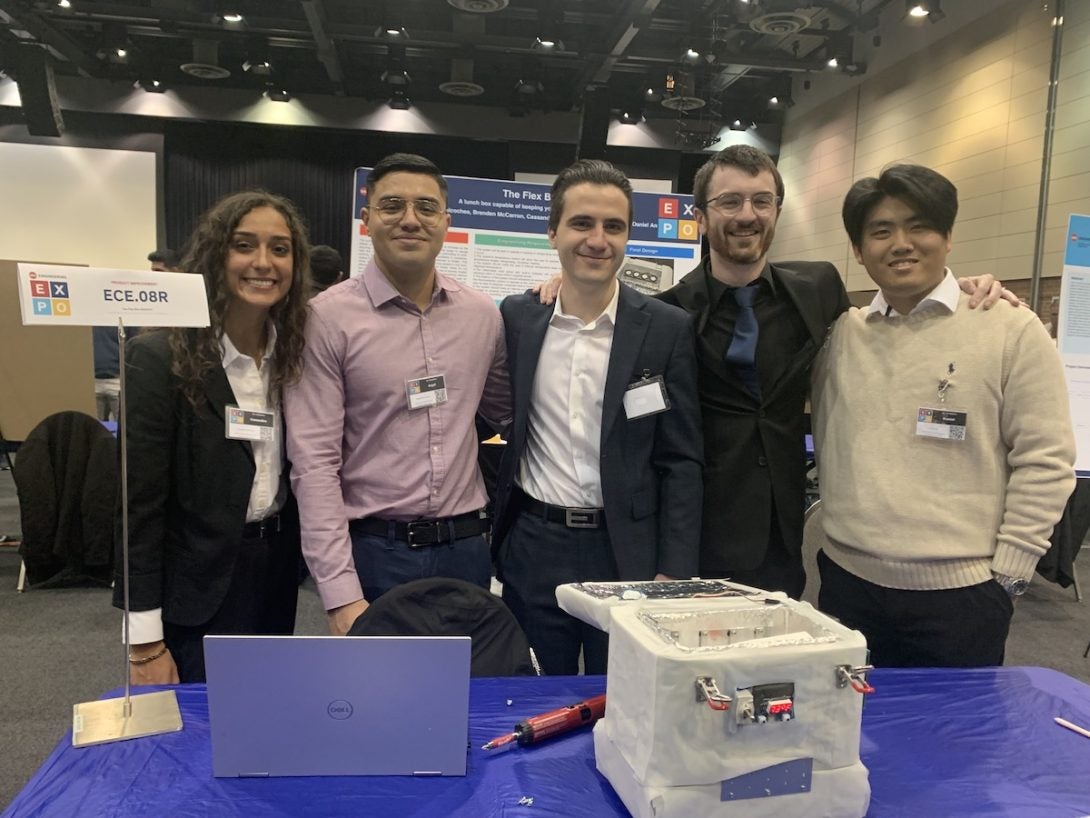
60,647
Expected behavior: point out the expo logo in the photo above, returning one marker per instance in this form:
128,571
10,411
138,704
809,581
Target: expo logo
49,297
677,223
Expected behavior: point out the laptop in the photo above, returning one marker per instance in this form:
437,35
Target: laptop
338,705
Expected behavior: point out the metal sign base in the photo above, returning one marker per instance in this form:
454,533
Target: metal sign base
148,714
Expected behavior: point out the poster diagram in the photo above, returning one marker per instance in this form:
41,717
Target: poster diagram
497,241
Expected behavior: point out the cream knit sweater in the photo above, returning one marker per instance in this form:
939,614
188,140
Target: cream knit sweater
905,511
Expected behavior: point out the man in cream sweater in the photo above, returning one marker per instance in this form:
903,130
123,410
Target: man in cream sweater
944,441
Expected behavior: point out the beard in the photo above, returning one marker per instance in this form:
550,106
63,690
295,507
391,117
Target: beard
735,252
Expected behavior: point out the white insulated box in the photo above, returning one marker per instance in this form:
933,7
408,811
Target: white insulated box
743,704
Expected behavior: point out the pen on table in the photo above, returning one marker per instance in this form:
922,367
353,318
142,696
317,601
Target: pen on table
1082,731
561,720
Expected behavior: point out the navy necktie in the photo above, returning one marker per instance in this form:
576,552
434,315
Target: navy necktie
742,352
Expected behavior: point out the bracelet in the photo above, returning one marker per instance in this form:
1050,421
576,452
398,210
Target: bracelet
145,659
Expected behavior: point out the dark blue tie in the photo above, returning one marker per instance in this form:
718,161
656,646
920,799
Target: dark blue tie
742,352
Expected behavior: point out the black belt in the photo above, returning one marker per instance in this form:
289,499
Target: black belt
426,532
261,528
571,517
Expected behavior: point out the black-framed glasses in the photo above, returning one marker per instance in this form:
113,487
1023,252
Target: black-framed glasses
731,203
392,209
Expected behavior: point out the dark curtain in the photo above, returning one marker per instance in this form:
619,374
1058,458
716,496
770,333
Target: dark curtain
312,167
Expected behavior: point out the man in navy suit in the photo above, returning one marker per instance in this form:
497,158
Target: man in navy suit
602,475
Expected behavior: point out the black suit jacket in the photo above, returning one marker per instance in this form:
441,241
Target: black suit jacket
650,467
754,452
189,487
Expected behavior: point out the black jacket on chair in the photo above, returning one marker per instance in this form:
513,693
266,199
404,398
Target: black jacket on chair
189,487
651,466
754,451
66,479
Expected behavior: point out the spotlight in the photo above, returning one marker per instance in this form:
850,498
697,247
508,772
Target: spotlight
738,125
631,116
546,43
691,54
232,17
278,95
400,102
917,10
260,68
931,9
122,53
392,32
833,63
154,87
64,4
395,76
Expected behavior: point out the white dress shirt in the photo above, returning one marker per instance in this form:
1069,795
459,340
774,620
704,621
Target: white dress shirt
946,293
250,385
560,464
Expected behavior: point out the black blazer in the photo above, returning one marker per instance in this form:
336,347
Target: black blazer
651,467
754,452
188,489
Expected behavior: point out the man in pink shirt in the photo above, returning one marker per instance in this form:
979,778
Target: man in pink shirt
381,427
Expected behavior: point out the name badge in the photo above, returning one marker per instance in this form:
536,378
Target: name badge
423,393
644,397
941,423
248,424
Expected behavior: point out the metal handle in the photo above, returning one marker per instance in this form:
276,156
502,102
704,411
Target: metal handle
708,691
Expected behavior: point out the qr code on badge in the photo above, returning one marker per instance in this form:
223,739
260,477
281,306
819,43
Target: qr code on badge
441,396
957,433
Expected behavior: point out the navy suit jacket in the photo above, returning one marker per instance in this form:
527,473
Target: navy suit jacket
754,449
651,467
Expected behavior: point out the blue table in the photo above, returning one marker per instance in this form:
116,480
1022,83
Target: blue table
937,743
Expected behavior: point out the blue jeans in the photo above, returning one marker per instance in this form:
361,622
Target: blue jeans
384,562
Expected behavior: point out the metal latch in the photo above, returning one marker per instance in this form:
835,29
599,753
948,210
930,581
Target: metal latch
708,691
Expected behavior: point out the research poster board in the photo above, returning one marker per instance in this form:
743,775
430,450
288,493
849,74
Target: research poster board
498,243
1073,335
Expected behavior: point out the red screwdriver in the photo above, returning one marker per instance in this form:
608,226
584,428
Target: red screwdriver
553,723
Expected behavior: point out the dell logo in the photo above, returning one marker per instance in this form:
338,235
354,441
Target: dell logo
339,709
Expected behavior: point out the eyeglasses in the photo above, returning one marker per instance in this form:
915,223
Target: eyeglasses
392,210
731,203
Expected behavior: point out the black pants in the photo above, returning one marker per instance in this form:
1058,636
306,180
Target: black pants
261,599
956,627
536,557
780,570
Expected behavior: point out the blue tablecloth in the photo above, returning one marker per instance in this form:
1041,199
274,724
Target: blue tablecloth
936,742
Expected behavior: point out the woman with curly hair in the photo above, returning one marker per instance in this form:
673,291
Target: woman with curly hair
213,528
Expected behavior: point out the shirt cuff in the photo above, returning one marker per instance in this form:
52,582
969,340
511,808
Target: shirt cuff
1013,562
144,626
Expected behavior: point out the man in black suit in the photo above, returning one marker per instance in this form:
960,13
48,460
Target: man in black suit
753,404
601,476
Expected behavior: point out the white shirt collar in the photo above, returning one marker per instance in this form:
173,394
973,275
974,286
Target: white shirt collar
231,353
608,314
947,293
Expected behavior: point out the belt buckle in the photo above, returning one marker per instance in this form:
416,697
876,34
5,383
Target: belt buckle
418,528
581,518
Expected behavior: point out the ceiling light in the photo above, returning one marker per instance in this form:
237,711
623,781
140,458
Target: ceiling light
400,102
773,100
391,32
394,76
64,4
232,17
278,95
738,125
832,62
122,53
917,10
258,67
546,43
153,87
692,54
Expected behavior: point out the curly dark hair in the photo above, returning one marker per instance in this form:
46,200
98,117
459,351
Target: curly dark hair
196,353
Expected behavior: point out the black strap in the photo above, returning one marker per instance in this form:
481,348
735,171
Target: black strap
570,517
426,532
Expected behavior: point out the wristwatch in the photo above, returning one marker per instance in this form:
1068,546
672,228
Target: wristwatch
1014,586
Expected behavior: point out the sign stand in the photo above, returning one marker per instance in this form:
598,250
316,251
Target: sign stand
146,714
59,295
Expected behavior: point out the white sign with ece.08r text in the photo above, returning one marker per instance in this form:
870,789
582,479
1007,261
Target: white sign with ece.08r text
95,296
